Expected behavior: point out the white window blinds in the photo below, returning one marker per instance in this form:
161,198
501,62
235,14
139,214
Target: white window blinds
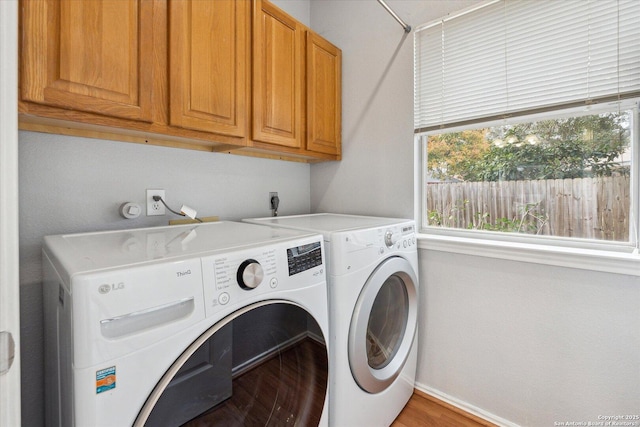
514,57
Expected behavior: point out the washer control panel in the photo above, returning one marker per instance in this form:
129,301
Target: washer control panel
236,270
304,257
235,277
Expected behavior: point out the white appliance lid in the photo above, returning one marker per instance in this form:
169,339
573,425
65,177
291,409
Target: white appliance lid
86,252
327,223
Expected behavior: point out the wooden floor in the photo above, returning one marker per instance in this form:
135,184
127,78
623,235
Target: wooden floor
260,394
285,390
424,410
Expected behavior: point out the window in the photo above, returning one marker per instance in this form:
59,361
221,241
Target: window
528,117
562,177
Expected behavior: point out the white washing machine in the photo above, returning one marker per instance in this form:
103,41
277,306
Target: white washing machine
373,302
217,324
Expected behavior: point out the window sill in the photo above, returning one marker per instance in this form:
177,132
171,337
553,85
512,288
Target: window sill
586,259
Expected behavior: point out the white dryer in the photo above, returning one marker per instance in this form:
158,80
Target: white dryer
157,326
373,303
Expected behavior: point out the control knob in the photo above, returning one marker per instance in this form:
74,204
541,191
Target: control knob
250,274
390,239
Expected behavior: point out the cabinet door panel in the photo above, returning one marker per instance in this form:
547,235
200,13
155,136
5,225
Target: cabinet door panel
90,56
278,77
209,71
324,65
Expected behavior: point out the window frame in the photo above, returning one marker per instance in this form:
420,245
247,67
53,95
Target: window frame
597,255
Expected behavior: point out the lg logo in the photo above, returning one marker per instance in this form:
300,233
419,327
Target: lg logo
106,288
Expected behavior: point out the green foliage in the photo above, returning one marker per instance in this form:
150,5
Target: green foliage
573,147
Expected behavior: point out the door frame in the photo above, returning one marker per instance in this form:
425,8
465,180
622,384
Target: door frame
10,404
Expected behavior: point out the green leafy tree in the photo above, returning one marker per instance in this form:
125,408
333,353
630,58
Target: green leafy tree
571,147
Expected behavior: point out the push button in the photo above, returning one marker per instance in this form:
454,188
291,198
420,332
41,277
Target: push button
223,298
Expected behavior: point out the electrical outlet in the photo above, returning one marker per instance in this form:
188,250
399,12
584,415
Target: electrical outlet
153,207
272,194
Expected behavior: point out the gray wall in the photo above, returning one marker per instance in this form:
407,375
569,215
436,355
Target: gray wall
518,343
72,184
299,9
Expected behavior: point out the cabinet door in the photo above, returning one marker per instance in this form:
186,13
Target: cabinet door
209,71
93,56
278,77
324,101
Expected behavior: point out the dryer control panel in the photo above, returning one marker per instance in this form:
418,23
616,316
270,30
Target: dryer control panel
367,246
400,236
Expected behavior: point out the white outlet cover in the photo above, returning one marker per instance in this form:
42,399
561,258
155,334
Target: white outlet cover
153,207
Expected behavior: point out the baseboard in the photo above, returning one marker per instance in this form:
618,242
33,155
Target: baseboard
463,408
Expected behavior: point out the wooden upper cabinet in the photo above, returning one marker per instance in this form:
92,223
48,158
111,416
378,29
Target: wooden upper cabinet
296,84
278,77
324,99
93,56
209,65
238,76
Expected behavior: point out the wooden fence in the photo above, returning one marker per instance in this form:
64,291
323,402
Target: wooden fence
591,208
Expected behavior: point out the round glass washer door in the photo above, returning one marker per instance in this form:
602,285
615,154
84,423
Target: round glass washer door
261,367
383,325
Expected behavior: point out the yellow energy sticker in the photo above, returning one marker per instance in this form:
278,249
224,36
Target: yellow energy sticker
105,379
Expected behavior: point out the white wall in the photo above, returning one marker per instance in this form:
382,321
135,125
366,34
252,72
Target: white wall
529,343
515,342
